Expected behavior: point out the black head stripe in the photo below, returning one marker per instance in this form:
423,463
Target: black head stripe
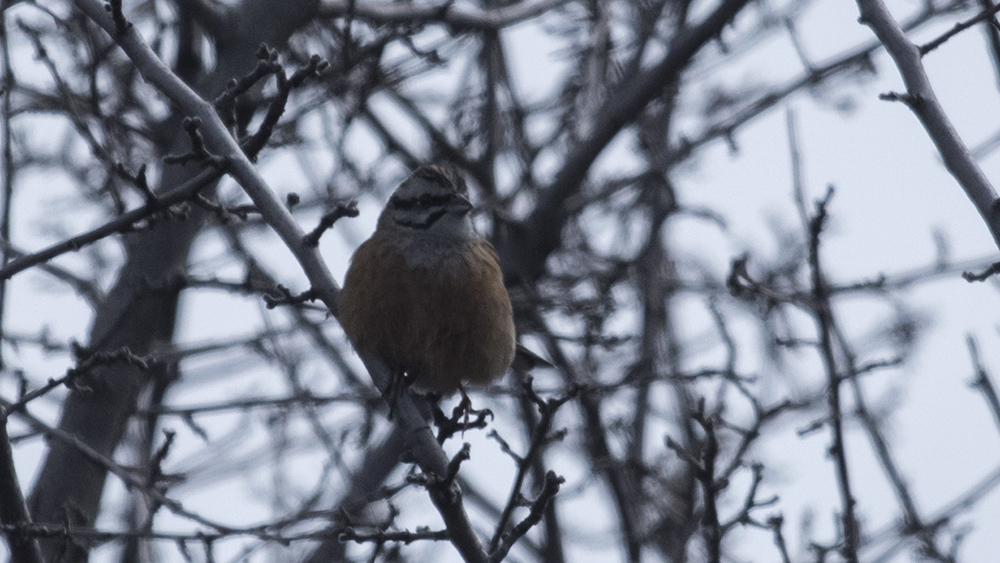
397,202
443,174
419,205
425,201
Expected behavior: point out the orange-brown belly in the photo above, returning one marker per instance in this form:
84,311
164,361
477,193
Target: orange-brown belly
443,326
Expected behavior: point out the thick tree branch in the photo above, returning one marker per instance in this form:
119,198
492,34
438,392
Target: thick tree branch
70,485
920,98
421,442
541,233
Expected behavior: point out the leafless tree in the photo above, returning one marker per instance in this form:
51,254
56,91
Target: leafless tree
190,159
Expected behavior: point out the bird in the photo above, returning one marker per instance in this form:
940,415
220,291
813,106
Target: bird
425,293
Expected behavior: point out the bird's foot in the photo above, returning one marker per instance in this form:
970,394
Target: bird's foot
463,410
398,385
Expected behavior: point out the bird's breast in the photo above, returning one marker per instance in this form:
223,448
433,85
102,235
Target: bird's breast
441,314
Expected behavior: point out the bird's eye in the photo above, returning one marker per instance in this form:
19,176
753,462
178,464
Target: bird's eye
426,200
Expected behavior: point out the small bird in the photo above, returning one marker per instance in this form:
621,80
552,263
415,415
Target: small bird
425,293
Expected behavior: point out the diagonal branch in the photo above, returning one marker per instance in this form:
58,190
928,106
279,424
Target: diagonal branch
13,510
544,226
921,100
122,223
419,439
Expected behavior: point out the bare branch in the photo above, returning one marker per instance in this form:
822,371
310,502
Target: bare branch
921,99
823,315
982,381
549,490
340,209
13,510
423,446
456,16
123,223
959,27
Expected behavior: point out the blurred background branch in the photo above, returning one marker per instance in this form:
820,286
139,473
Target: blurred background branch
729,358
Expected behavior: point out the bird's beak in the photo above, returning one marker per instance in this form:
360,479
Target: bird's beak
459,205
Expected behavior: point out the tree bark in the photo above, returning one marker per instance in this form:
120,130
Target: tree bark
141,310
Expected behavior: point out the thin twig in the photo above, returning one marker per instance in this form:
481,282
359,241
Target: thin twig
121,355
986,274
340,209
982,381
823,313
122,223
958,28
541,436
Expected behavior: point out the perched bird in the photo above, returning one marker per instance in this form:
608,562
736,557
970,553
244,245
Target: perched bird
425,293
